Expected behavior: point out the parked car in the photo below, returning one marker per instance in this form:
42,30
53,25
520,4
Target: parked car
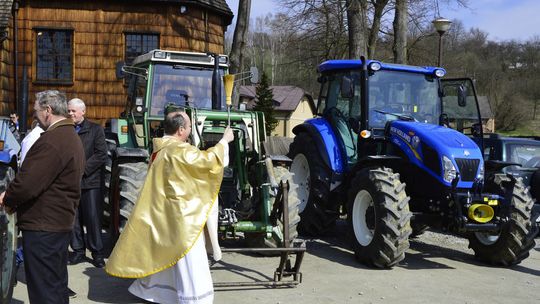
524,152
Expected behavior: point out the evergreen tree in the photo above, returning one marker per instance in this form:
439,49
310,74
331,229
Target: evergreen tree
265,104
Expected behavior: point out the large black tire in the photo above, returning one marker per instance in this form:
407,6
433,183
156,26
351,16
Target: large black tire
281,174
512,243
378,217
417,229
111,146
313,179
131,179
8,246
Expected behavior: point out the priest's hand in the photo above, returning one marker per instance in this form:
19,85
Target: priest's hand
228,135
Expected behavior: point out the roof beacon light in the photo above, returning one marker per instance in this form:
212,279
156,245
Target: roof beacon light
375,66
160,55
440,72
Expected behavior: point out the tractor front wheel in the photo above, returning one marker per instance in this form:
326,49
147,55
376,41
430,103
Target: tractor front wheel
511,244
378,217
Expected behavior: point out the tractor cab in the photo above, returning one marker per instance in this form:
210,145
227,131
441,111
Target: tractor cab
160,79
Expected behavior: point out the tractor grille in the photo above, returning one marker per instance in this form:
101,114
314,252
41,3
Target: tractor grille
467,168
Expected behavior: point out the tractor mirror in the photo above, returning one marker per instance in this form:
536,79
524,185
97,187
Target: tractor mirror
347,87
119,72
462,96
254,75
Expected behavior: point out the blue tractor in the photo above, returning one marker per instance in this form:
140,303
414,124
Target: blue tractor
9,149
388,150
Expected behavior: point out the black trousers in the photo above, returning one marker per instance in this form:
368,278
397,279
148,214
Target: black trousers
45,266
88,214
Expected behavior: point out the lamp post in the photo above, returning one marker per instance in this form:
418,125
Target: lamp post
441,25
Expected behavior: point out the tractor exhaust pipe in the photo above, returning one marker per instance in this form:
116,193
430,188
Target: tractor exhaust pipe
216,84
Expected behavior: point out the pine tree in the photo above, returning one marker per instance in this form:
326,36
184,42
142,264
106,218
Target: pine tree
265,104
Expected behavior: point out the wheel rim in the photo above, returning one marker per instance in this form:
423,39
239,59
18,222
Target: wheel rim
300,168
362,212
487,238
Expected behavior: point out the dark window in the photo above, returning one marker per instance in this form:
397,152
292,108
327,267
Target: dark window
54,55
138,44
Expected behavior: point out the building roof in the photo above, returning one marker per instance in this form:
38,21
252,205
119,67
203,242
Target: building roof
5,13
286,98
220,6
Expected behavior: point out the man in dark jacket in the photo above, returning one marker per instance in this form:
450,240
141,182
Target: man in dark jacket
90,209
45,194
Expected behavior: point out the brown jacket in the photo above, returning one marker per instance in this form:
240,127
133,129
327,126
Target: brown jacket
46,190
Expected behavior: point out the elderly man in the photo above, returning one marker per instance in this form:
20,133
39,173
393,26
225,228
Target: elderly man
45,194
163,242
89,212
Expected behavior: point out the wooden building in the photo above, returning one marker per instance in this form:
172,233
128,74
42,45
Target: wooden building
74,46
291,106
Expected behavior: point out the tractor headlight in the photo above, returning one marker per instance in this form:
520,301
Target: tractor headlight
449,171
481,173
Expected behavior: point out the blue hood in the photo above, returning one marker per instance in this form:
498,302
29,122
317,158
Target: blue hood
415,139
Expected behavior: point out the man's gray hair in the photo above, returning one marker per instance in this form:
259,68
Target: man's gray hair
77,102
173,122
54,99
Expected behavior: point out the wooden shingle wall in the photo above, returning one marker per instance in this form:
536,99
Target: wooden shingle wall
99,42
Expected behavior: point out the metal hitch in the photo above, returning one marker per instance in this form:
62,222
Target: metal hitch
287,267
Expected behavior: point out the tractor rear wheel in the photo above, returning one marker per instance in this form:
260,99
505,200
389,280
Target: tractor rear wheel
378,217
8,245
130,181
512,243
313,179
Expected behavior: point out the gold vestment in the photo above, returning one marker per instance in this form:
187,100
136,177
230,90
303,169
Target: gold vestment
170,214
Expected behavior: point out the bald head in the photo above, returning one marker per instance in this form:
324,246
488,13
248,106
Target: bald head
177,124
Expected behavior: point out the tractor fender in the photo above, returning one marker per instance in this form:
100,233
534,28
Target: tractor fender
377,161
9,158
326,142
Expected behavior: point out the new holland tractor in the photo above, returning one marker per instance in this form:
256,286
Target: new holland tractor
257,200
388,150
9,149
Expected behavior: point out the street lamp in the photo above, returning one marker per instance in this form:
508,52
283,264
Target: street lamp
441,25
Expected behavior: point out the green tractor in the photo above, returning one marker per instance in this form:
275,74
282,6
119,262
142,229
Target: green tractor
257,201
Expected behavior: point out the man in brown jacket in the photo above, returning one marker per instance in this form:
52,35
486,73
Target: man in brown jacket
45,194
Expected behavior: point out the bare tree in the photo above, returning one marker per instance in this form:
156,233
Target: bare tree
357,26
378,10
240,36
399,46
239,41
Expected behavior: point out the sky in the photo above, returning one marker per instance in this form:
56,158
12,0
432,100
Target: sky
501,19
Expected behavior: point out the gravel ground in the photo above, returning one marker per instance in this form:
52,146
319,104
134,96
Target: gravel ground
438,268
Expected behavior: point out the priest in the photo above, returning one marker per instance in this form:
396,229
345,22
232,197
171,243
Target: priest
163,244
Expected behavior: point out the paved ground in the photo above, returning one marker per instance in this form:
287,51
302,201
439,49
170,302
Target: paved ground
437,269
